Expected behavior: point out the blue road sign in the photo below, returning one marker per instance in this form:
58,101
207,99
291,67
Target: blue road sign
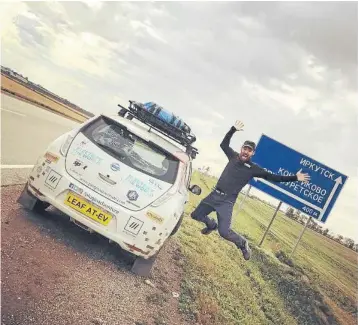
315,198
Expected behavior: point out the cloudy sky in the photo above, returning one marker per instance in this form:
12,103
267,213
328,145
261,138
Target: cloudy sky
285,69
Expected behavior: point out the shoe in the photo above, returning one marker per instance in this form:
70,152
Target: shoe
246,251
207,230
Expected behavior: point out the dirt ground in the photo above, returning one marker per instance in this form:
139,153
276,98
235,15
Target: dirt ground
23,92
53,272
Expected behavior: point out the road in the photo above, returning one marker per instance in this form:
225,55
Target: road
26,130
53,272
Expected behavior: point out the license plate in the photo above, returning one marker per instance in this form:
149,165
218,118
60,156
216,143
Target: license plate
81,205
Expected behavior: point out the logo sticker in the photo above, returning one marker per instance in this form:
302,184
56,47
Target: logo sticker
50,157
132,195
133,225
78,163
155,217
75,188
115,166
86,154
53,179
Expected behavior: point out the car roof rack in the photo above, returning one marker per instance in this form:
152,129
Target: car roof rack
137,110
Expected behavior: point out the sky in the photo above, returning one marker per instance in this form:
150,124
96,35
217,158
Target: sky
286,69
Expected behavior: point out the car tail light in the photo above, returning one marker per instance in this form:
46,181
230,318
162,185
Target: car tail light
70,136
66,145
134,248
165,197
173,190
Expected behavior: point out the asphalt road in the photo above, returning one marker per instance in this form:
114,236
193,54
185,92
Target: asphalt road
26,130
53,272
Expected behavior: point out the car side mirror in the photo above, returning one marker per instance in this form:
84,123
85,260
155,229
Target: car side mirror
195,189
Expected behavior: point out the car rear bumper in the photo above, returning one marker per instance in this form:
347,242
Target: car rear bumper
132,231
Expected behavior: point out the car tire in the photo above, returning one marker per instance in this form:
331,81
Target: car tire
177,226
30,202
41,206
142,266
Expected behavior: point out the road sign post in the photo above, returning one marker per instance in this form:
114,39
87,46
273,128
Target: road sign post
269,226
315,198
299,238
244,198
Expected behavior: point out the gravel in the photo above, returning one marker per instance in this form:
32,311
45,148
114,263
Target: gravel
56,273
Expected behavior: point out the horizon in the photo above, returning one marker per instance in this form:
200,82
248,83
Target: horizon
270,66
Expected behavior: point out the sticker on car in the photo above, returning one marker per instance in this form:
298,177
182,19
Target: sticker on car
153,216
132,195
133,226
53,179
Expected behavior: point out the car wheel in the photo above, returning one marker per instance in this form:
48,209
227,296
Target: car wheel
177,226
41,206
142,266
30,202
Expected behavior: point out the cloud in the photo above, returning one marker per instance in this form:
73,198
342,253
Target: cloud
218,115
326,30
85,51
138,26
95,5
286,69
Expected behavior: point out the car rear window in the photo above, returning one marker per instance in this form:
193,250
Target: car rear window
132,150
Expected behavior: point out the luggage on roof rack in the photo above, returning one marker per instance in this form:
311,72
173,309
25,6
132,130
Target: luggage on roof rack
163,121
166,116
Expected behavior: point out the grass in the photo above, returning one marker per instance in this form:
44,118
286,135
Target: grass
316,286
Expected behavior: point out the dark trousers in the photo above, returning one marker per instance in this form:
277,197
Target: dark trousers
223,207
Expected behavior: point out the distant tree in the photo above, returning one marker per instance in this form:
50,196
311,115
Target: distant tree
356,247
325,232
349,243
289,212
339,238
314,225
303,219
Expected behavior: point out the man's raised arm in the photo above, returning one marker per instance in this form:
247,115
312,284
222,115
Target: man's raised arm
225,144
262,173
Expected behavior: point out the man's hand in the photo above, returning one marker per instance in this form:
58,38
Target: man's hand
303,177
239,126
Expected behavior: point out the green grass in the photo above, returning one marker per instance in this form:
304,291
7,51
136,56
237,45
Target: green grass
220,287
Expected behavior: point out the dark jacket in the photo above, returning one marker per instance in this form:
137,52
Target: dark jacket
237,173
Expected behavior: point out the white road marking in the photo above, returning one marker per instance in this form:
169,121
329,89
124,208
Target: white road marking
7,110
16,166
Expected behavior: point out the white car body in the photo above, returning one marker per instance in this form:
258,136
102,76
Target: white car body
128,206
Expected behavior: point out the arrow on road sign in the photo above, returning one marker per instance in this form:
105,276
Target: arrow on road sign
338,181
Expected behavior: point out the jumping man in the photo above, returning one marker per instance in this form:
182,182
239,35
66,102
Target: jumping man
237,173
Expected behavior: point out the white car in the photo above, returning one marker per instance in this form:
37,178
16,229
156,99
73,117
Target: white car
117,177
